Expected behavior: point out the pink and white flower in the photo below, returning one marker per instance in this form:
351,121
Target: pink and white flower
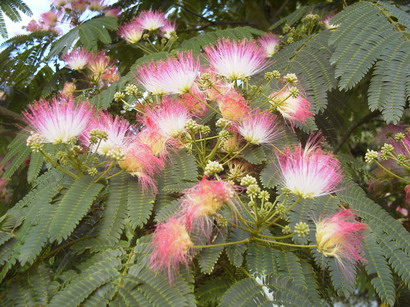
233,106
236,60
309,172
60,121
77,59
151,20
99,64
170,118
168,29
131,32
270,43
112,12
203,200
259,128
96,5
294,109
174,76
118,133
171,245
193,102
341,236
140,162
49,18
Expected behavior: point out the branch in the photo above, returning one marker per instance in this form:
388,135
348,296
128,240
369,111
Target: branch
219,23
353,126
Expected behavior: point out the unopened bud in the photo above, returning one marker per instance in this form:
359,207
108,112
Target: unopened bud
212,168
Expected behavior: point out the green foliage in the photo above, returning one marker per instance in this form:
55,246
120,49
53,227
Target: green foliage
96,30
246,292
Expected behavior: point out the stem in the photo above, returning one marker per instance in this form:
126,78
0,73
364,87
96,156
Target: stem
284,244
391,173
106,171
237,153
221,244
116,174
284,212
57,166
276,238
204,102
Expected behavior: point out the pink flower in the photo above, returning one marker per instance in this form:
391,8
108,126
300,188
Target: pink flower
33,26
170,247
68,89
174,76
77,59
151,20
233,106
131,32
118,133
140,162
60,121
293,109
158,144
168,29
112,12
59,3
270,43
194,106
169,118
49,18
79,5
99,64
111,74
259,128
341,236
309,172
203,200
236,60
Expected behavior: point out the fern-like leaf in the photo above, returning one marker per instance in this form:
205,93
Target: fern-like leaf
96,30
139,203
246,293
73,206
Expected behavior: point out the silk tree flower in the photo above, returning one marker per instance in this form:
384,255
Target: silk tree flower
131,32
168,29
203,200
294,109
233,106
174,76
341,236
96,5
60,121
49,18
259,128
99,65
112,12
140,162
78,5
309,172
158,144
194,106
118,133
171,245
270,43
236,60
151,20
77,59
169,118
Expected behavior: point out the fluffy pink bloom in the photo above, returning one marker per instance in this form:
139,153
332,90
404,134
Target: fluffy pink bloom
203,200
140,162
68,89
259,128
96,5
151,20
49,18
169,118
99,64
309,172
111,74
59,3
168,29
33,26
233,106
174,76
77,59
158,143
270,43
59,121
118,133
170,246
236,60
112,12
293,109
341,236
131,32
194,106
79,5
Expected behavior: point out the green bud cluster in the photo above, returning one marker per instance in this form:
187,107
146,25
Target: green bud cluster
270,75
116,154
224,135
264,195
286,230
399,136
212,168
132,90
371,155
402,160
222,123
96,135
92,171
192,125
119,96
302,229
35,142
253,190
291,79
294,92
248,180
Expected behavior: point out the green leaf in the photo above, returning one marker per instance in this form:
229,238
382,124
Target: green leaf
96,30
290,263
115,211
376,264
261,260
18,151
140,203
212,290
167,211
246,293
235,252
36,163
254,154
209,256
74,205
63,44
